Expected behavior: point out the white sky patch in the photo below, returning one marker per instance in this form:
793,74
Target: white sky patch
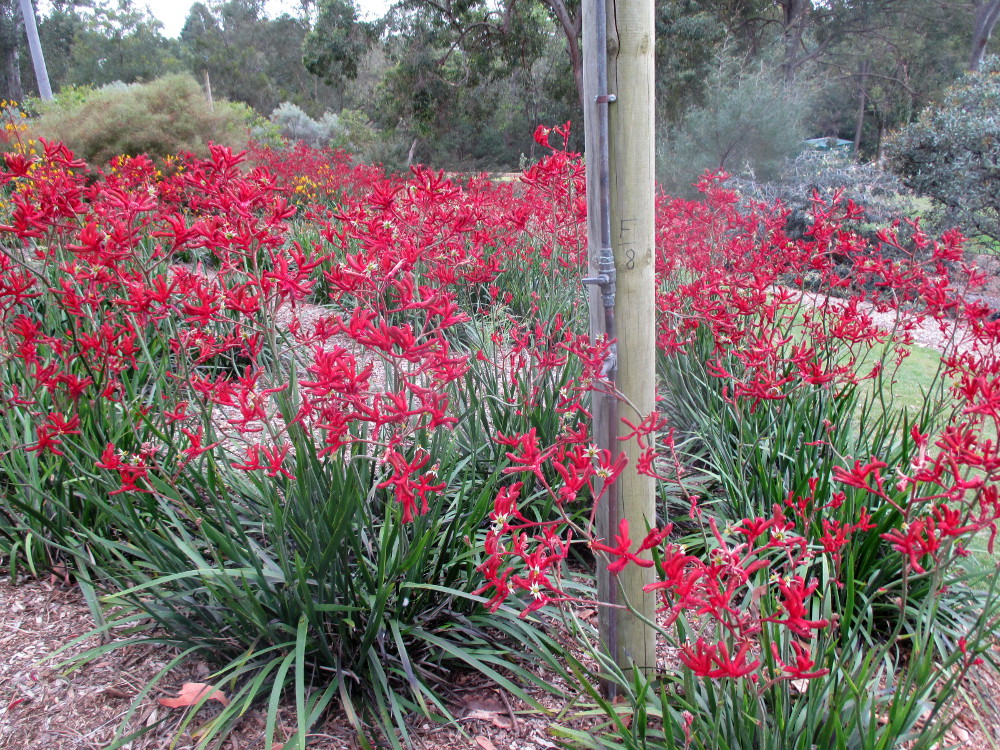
173,13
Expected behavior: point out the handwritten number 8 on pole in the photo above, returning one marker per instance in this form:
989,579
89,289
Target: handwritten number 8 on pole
623,229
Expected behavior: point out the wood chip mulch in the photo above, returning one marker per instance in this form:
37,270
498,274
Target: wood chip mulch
45,708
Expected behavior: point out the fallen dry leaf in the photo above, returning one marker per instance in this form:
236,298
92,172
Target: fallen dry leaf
484,743
625,716
59,572
191,693
501,721
485,707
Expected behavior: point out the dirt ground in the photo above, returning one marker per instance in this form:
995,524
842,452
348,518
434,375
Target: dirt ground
45,708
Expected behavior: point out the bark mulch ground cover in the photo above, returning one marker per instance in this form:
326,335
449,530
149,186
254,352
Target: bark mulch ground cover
43,708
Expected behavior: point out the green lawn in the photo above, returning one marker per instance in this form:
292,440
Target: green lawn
907,389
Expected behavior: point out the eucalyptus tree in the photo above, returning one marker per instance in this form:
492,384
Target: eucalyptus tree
251,57
224,44
466,87
337,41
878,81
121,41
11,34
987,13
509,30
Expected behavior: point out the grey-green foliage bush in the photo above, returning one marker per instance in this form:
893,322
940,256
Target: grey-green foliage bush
348,129
879,192
952,152
295,125
749,124
163,117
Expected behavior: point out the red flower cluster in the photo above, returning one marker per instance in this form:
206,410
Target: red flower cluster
191,264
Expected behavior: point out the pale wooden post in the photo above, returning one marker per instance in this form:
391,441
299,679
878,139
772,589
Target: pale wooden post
631,39
208,91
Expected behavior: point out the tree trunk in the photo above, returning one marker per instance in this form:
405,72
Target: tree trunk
795,15
862,101
208,91
987,14
35,45
412,152
571,26
12,69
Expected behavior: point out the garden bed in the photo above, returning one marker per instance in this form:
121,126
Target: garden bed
41,706
338,461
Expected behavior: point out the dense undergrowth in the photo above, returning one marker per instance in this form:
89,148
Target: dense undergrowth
329,429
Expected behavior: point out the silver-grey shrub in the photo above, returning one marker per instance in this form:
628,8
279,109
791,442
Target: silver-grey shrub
295,125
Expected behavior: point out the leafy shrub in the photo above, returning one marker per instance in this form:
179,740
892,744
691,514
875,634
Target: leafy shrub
160,118
358,135
67,98
316,582
348,130
749,123
951,153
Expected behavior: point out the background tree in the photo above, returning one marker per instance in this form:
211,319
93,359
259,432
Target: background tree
501,28
332,48
688,33
749,122
11,43
58,30
875,82
463,83
252,58
454,89
287,36
113,40
225,42
987,15
952,152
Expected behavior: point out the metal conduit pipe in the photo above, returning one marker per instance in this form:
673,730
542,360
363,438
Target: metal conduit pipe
606,280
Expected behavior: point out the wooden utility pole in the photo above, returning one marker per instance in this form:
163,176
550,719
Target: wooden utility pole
35,45
618,37
631,41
